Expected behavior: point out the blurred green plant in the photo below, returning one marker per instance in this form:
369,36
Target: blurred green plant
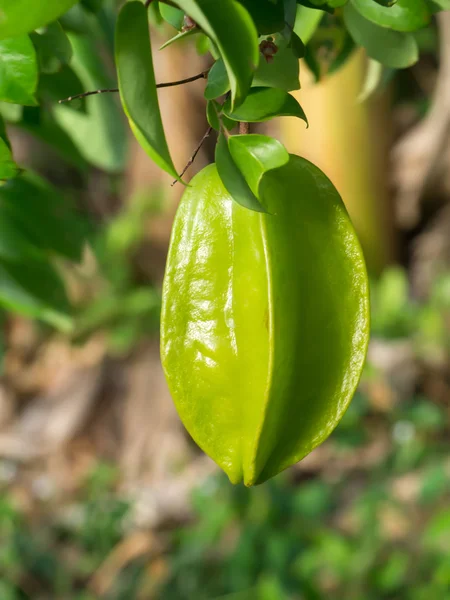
369,519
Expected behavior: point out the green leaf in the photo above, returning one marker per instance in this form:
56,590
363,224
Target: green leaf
212,114
306,22
15,245
92,5
180,36
263,104
22,16
437,5
54,87
218,83
100,134
18,71
233,179
35,289
315,6
282,72
405,15
173,16
239,51
8,168
268,15
298,47
48,219
137,84
391,48
255,155
53,48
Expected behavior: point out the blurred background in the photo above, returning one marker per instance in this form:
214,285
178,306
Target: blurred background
102,493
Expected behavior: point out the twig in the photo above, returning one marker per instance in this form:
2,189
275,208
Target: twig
194,156
202,75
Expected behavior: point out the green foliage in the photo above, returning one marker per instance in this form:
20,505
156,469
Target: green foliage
375,528
51,53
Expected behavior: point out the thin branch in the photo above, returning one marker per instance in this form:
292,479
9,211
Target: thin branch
202,75
194,156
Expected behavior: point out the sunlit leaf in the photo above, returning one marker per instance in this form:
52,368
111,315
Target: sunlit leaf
263,104
22,16
239,51
18,71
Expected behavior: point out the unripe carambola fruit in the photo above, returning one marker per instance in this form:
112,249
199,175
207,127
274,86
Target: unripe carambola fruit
265,319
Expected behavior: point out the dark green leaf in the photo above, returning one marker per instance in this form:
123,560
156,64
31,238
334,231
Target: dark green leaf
282,71
53,48
34,289
212,114
59,86
22,16
313,6
263,104
298,47
92,5
99,135
47,219
254,155
8,168
391,48
18,71
14,243
218,83
239,51
233,179
268,15
137,84
405,15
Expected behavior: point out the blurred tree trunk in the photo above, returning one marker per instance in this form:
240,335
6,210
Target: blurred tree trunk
350,141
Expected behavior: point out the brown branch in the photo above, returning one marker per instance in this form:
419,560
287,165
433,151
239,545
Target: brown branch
194,156
202,75
244,128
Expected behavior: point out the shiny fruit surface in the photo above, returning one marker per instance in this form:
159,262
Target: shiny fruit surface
265,319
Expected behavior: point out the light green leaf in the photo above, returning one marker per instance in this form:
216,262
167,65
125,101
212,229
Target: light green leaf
263,104
137,84
391,48
18,71
233,179
239,51
372,79
53,48
256,154
100,134
22,16
404,15
437,5
180,36
306,22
